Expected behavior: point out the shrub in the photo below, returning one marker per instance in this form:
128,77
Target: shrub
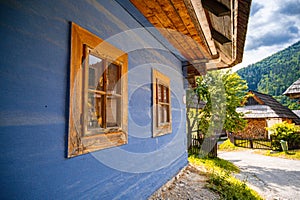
284,131
228,146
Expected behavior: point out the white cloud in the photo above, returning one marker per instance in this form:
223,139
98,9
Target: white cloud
273,26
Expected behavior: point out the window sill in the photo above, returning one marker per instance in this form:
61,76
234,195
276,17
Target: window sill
100,141
103,141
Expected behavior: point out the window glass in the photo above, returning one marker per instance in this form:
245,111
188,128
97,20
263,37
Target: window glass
95,110
113,112
96,70
113,77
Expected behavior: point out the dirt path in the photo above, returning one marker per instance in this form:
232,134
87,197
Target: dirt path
188,184
274,178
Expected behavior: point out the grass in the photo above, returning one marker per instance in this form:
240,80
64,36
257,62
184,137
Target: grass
228,146
221,179
291,154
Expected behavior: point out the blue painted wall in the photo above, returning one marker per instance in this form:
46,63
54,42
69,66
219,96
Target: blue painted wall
34,96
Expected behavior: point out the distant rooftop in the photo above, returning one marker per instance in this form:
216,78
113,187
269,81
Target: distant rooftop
297,112
294,90
262,111
265,106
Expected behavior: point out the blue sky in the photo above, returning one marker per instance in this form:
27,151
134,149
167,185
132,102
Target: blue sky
273,25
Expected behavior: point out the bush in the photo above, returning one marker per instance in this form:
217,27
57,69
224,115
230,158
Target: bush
284,131
228,146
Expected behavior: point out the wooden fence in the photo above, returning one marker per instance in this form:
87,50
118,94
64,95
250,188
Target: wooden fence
207,145
250,142
258,143
210,144
253,143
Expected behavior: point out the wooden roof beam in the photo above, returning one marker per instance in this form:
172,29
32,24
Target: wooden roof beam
200,19
219,37
194,68
216,7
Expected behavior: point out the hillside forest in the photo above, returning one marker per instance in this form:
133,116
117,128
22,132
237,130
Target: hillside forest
274,74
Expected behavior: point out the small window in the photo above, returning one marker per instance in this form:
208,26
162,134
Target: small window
98,94
162,118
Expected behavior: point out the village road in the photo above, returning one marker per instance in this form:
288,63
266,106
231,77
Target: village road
272,177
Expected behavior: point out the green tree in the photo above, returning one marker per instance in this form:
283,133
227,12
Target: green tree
235,91
227,97
222,92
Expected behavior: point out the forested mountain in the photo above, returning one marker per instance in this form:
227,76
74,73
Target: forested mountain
273,75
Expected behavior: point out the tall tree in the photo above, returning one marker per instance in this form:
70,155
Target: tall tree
235,91
222,92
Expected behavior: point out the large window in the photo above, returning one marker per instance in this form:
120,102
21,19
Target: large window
98,94
162,118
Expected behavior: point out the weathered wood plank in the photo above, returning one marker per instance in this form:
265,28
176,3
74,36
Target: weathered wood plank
219,37
216,8
154,13
200,21
164,14
198,44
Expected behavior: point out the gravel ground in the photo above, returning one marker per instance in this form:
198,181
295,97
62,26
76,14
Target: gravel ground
188,184
272,177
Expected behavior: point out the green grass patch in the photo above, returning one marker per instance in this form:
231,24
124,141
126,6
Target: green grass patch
228,146
291,154
215,164
221,179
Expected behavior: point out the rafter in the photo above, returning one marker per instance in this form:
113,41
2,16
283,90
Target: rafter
216,7
219,37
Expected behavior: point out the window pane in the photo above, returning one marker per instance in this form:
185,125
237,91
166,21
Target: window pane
160,115
167,113
95,111
159,92
113,114
163,114
166,94
96,70
113,76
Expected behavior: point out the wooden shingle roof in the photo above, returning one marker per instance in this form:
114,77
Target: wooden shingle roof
265,106
294,90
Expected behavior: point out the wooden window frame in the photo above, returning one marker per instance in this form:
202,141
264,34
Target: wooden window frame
84,43
161,80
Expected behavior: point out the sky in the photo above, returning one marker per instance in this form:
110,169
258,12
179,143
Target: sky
273,25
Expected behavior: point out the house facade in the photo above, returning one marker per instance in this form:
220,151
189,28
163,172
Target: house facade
92,91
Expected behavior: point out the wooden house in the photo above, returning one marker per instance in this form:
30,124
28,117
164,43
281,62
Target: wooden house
91,91
261,111
293,91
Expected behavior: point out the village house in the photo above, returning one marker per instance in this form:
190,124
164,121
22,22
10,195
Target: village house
92,91
262,111
293,91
